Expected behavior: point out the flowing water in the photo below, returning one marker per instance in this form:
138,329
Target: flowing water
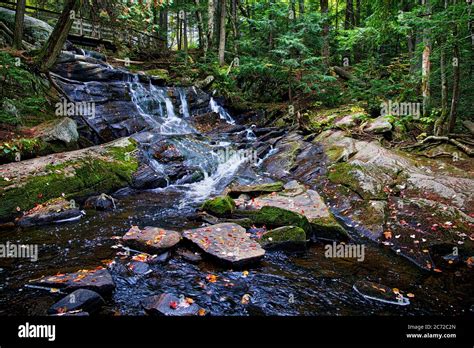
305,283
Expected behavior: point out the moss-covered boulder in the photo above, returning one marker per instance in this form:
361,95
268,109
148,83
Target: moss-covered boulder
276,217
219,206
286,237
72,175
289,207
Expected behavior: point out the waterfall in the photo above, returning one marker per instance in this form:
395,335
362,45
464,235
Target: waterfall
184,108
215,107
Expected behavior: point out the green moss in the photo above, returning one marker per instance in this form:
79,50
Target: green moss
219,206
161,73
30,148
74,179
285,234
257,189
342,173
334,153
328,228
276,217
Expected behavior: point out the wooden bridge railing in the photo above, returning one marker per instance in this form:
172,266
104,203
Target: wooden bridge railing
94,33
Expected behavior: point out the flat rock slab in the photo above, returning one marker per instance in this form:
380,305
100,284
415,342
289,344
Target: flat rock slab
98,280
80,300
228,242
56,210
170,305
308,203
380,292
151,239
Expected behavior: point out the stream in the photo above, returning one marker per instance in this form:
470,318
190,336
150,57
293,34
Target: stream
284,283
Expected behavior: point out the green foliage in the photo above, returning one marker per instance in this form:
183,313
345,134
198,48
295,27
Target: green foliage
21,93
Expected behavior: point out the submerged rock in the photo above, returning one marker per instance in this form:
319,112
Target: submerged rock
286,237
153,240
98,280
381,293
228,242
170,305
101,202
55,210
188,255
146,178
80,300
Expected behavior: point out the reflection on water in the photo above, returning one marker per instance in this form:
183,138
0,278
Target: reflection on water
283,284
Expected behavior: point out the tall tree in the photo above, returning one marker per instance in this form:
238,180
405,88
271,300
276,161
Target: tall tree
202,37
222,33
325,52
19,19
426,63
456,78
349,20
52,48
211,10
164,25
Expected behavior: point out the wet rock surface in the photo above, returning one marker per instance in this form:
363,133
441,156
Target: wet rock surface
170,305
82,300
151,239
227,242
284,238
53,211
98,280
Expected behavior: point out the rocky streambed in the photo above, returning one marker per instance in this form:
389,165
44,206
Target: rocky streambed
177,209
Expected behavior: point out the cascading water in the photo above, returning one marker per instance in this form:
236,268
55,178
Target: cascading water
215,107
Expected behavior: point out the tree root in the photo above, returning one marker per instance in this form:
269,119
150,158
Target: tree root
435,140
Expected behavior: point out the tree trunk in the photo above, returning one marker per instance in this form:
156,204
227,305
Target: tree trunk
357,14
426,65
202,37
235,25
440,128
301,7
19,19
349,20
325,51
456,80
56,40
211,10
222,33
164,26
185,31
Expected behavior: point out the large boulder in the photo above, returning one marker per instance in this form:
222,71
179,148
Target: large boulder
60,130
398,199
36,32
219,206
227,242
296,199
72,175
379,125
